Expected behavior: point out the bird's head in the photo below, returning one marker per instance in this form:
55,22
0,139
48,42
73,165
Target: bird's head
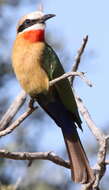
32,26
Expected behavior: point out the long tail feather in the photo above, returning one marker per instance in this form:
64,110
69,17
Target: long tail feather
80,169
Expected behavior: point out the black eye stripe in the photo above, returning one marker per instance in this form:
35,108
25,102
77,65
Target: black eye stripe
27,23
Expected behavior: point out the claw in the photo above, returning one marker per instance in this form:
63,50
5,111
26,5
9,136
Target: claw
31,103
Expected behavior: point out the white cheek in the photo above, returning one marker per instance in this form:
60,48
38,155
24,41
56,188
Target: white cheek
34,27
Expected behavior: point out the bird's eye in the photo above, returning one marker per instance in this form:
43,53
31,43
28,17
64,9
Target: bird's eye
27,21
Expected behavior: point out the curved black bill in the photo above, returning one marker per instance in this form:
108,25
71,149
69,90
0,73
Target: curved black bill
46,17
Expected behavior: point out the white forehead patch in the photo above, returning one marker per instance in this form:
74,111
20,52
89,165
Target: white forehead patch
35,15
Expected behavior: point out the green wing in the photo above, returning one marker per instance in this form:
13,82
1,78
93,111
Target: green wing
54,69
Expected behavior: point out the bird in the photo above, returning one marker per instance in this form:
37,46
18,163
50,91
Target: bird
35,64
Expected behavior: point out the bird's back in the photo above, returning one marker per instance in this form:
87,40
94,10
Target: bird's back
54,69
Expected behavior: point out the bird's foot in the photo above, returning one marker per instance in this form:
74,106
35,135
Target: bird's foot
31,103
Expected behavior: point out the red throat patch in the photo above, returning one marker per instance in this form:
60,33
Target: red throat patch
34,35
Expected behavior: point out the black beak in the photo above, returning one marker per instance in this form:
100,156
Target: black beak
46,17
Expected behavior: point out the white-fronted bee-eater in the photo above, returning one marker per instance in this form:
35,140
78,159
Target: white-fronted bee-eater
35,63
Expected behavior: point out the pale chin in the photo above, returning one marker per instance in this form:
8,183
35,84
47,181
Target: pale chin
39,26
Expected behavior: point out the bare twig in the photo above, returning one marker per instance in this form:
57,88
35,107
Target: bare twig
17,122
19,101
78,57
107,162
107,137
101,138
70,74
92,126
18,182
13,109
34,156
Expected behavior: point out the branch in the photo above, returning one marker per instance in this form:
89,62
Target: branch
78,57
101,138
19,101
35,156
92,126
100,167
107,162
107,137
13,109
70,74
17,122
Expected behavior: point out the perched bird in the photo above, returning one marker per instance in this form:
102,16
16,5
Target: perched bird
35,63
